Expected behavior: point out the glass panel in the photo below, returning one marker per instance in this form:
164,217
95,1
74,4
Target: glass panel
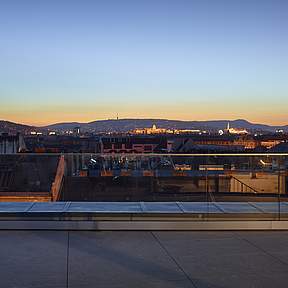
204,184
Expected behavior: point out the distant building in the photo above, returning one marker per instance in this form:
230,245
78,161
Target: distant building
76,131
62,144
36,133
270,143
11,144
206,143
236,131
280,148
155,130
133,144
247,142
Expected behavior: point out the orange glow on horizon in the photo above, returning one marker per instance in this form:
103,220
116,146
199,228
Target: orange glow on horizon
48,115
51,113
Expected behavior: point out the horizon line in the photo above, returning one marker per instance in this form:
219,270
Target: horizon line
128,118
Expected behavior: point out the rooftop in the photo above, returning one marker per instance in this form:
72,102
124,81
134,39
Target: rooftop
144,244
143,259
148,244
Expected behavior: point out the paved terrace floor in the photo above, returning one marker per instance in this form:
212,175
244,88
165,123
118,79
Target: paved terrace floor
143,259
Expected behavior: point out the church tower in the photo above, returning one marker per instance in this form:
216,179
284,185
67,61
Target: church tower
228,126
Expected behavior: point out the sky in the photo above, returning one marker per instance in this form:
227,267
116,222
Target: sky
85,60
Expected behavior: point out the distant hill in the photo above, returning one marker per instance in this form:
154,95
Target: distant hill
125,125
13,128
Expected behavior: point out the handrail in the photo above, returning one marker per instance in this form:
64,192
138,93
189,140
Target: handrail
153,154
245,185
57,184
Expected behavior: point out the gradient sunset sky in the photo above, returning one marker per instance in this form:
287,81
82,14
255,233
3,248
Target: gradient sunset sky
182,59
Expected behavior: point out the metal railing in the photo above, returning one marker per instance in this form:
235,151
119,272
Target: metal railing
244,187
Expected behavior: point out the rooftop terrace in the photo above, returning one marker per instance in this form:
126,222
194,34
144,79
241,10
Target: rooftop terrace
219,242
82,259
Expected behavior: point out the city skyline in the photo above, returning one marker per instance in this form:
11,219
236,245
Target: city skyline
86,60
139,123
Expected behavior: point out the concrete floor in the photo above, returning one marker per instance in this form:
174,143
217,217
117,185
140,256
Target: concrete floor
143,259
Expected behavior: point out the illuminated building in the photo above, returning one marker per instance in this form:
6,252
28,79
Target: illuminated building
155,130
270,143
76,130
236,131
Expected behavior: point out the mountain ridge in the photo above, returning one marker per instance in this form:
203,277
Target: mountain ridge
127,124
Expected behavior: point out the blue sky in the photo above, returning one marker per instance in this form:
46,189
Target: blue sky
193,60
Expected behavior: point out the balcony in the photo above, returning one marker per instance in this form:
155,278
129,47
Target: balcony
152,220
